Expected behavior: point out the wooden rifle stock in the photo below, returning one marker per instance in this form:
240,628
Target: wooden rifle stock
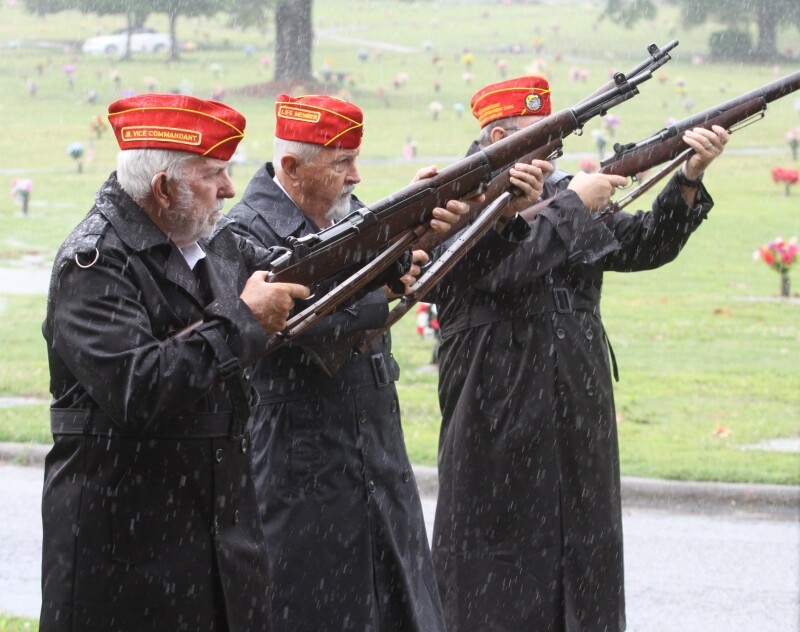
501,182
455,253
360,235
542,140
634,158
366,232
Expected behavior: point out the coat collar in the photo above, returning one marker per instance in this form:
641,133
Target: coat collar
266,198
278,210
139,233
134,228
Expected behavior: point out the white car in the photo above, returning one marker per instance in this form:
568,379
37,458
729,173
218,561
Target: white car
143,40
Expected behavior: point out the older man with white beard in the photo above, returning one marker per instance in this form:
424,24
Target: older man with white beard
341,512
149,511
343,522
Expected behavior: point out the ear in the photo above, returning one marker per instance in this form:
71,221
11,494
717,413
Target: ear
497,133
160,190
290,165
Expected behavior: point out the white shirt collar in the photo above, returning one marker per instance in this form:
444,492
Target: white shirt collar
192,253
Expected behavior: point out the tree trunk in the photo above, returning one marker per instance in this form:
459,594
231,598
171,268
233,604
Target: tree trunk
293,40
174,51
131,25
767,47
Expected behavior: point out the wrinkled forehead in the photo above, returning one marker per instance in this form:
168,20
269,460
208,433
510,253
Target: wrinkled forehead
204,164
331,155
525,121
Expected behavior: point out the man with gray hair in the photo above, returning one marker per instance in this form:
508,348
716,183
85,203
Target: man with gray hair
342,517
149,512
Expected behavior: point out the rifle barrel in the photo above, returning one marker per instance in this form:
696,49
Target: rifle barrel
725,114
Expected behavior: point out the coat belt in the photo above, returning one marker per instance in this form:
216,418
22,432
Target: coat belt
93,422
561,300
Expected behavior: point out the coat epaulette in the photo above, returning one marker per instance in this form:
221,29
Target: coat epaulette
82,242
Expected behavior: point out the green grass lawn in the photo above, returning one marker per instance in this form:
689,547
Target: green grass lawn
18,624
707,354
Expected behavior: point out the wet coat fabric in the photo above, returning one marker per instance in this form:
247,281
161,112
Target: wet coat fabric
149,511
341,513
528,532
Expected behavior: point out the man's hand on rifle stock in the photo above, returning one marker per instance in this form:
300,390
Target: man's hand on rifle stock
445,218
271,302
707,145
529,179
596,189
418,259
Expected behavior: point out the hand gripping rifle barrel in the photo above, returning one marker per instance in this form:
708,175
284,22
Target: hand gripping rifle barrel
359,236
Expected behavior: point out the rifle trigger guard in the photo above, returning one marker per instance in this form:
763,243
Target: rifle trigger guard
283,259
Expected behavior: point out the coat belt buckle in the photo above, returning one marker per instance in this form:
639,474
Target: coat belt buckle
563,300
379,371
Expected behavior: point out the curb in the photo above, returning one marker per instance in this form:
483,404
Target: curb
780,501
23,454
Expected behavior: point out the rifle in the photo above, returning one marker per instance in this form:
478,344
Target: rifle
629,160
402,217
360,235
633,158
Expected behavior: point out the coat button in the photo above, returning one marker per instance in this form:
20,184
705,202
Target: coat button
386,337
562,388
393,406
220,454
362,416
236,517
246,373
561,334
371,487
406,476
591,391
589,334
244,445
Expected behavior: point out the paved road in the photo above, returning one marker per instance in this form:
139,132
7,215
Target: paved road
704,573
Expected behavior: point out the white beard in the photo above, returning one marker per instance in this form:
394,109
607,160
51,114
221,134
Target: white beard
341,208
187,224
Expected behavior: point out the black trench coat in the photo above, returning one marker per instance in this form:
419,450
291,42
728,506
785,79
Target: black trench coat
149,511
342,517
528,532
343,521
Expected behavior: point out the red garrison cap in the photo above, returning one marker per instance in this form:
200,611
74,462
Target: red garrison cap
524,96
177,122
319,119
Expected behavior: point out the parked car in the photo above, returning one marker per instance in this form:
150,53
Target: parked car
143,40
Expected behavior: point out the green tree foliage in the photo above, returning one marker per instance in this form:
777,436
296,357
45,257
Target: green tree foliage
255,14
735,15
135,12
293,28
44,7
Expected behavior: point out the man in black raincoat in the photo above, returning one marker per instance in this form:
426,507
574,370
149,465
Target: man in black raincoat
528,532
149,511
342,516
